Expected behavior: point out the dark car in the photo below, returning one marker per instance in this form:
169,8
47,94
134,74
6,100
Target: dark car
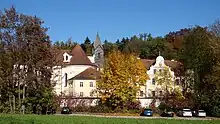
51,111
66,110
147,112
167,114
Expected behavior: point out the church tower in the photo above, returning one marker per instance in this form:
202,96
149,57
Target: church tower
98,52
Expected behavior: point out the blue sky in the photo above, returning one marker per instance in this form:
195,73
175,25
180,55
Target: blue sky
114,19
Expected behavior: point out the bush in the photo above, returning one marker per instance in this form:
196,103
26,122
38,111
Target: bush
215,111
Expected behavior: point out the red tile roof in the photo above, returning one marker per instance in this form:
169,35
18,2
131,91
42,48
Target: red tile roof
89,74
172,64
79,57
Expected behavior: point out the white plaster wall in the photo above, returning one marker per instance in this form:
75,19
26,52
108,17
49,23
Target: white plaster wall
86,89
71,70
158,65
146,102
91,58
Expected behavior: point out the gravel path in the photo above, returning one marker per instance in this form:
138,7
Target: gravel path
141,117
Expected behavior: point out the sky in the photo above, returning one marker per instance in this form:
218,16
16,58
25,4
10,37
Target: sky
114,19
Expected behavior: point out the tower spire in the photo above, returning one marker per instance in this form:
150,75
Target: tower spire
97,41
159,53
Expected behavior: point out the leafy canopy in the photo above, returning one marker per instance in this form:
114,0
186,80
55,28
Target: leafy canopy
121,78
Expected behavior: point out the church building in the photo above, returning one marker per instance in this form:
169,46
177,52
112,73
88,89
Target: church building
76,73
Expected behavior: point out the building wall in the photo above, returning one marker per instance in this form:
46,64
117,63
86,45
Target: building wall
59,75
154,87
99,56
85,88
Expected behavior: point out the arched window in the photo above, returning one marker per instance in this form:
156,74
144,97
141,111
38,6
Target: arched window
66,57
65,76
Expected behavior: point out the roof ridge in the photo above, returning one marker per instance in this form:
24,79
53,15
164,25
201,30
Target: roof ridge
79,56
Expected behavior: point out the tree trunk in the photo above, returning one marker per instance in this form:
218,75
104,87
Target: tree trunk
23,98
19,97
9,98
14,104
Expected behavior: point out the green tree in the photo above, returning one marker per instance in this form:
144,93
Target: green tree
109,47
200,53
87,46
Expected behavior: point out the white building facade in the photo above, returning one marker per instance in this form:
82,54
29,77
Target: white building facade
76,73
152,89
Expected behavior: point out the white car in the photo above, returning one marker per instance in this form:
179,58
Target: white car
199,113
186,113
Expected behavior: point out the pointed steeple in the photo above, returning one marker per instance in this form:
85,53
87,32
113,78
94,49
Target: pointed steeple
97,41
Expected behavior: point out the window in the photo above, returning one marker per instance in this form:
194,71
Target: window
71,93
161,93
81,84
141,93
66,57
81,94
153,81
65,76
177,81
91,94
91,84
153,93
155,70
99,56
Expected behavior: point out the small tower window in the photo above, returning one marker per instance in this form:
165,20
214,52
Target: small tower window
99,56
66,57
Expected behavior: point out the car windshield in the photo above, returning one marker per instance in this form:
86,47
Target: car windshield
148,110
186,110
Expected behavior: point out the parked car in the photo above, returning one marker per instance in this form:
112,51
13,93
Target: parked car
51,111
167,114
199,113
147,112
185,113
66,110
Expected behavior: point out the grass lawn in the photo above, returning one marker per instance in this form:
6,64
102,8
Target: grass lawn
62,119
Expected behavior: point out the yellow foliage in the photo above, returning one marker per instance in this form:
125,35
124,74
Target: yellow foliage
165,80
121,78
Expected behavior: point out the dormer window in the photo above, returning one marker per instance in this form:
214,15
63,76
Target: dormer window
66,57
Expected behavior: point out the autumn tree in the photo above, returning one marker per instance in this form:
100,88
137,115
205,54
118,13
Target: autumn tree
171,93
121,78
26,62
